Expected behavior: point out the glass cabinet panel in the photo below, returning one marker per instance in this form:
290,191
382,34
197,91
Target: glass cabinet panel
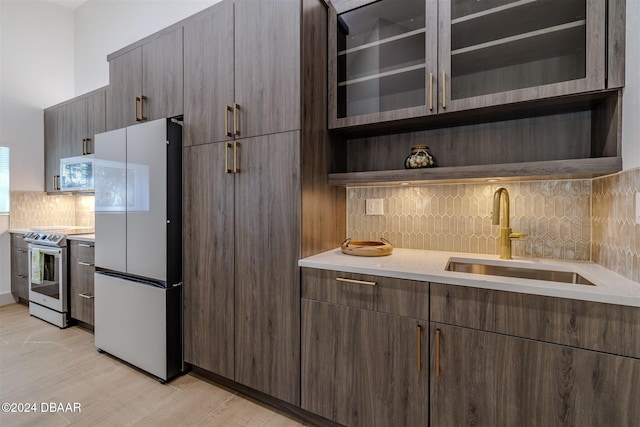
381,57
503,45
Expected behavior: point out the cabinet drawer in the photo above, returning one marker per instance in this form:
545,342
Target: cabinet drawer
17,241
591,325
383,294
82,251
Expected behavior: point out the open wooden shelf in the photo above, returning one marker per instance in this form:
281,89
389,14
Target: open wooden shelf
554,169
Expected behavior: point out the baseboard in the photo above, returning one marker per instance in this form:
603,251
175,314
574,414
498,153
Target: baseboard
7,298
295,412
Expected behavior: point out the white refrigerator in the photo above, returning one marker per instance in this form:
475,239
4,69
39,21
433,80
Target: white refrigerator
138,248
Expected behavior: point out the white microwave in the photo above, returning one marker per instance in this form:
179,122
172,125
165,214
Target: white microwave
76,173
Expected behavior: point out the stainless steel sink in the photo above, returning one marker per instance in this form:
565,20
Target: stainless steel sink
519,272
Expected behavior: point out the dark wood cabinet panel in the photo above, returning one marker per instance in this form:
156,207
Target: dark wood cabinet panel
19,267
363,368
69,130
395,296
209,281
72,128
267,247
208,75
267,66
51,150
96,118
125,83
146,83
81,271
243,230
162,76
604,327
486,379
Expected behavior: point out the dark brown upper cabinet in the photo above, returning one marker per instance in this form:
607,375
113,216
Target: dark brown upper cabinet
146,80
69,129
394,60
242,72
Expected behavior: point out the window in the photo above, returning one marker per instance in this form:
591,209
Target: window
4,180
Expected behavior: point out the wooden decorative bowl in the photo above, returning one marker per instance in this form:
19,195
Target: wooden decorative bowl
367,248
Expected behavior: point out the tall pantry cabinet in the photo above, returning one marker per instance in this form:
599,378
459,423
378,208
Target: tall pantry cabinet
256,195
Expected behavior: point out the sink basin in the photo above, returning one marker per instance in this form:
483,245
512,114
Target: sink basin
519,272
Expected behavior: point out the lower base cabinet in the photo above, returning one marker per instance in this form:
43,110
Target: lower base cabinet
363,368
19,268
364,349
81,269
481,378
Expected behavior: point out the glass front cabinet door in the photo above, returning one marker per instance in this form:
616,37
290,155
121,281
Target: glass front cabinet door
383,61
398,59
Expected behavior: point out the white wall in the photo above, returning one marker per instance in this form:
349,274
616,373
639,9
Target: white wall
50,53
103,27
36,72
631,97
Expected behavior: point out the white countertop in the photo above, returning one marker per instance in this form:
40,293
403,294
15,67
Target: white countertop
429,266
82,237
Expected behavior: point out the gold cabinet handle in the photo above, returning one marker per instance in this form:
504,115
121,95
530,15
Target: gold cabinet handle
138,101
437,352
226,158
85,245
227,108
86,264
236,130
357,282
86,296
419,347
236,144
430,91
142,99
444,89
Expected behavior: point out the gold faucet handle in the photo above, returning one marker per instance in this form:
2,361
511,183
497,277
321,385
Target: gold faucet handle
518,236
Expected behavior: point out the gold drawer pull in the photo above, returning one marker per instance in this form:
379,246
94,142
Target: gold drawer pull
430,91
419,344
437,352
236,128
444,89
227,108
86,264
357,282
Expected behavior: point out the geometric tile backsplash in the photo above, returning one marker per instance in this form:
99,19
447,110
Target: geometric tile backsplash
37,209
616,236
583,220
555,215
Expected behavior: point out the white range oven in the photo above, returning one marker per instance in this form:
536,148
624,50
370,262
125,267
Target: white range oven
48,288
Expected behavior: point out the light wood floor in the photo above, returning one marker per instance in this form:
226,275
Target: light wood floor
40,363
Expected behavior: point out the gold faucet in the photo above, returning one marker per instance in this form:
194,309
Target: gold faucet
506,236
